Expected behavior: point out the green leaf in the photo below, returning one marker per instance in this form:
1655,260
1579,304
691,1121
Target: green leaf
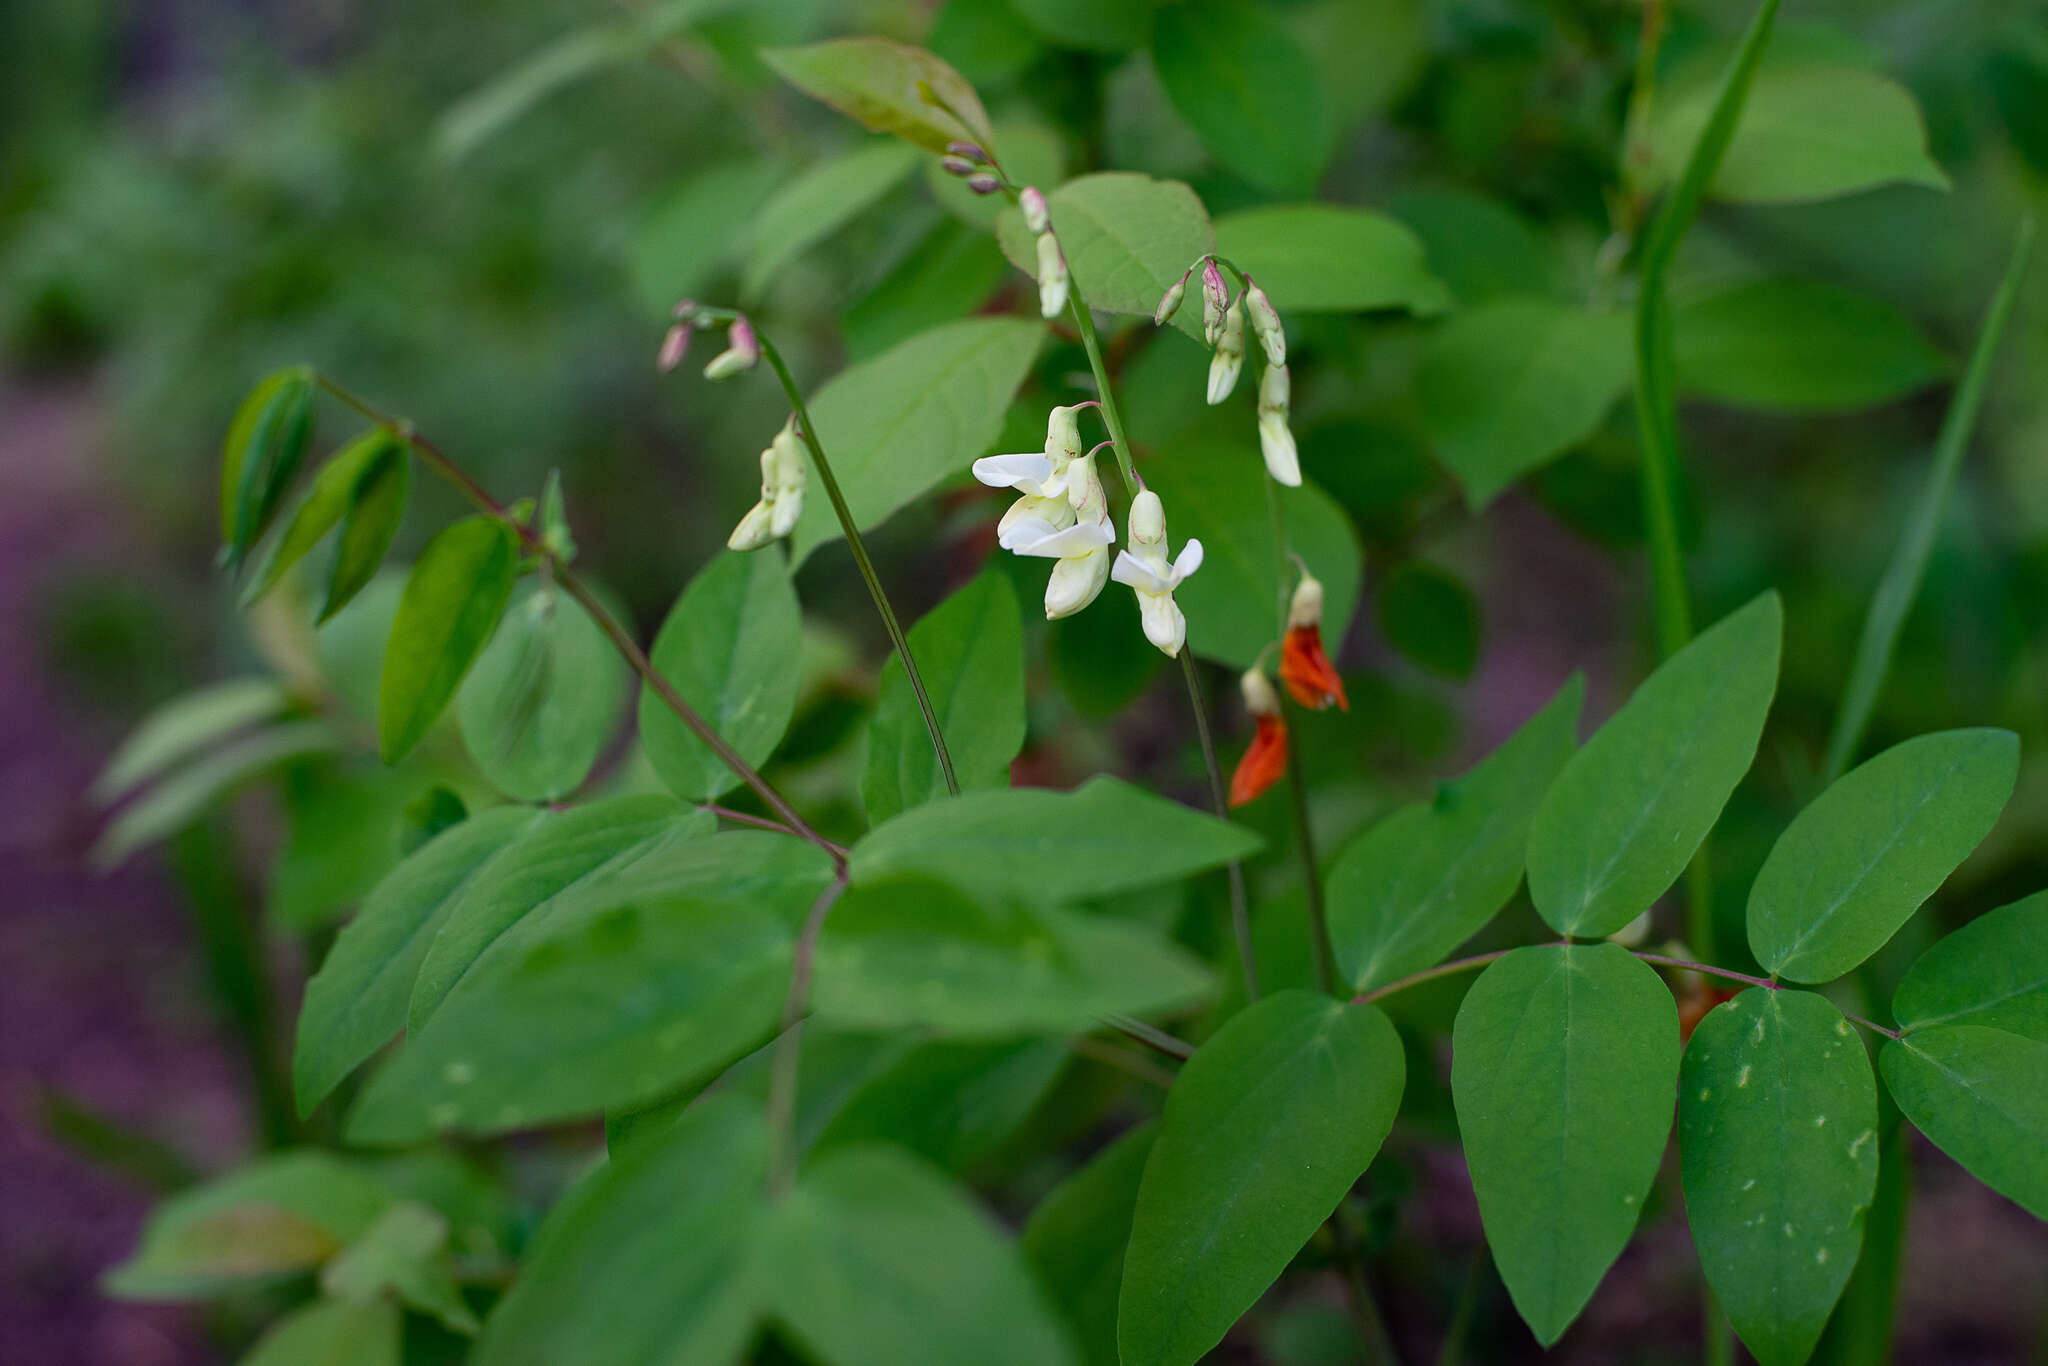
265,445
345,822
580,851
183,797
1266,1128
1214,492
402,1254
332,1333
950,273
1858,861
729,647
1564,1064
1982,1096
1992,972
1431,617
1106,836
1480,248
881,84
1098,25
953,1103
375,511
277,1217
1429,876
690,232
970,652
326,500
874,1260
1506,387
681,1210
921,411
1249,90
1807,132
185,725
357,1001
818,203
1329,258
1624,817
544,698
1800,346
1127,238
1076,1236
918,953
1777,1124
451,605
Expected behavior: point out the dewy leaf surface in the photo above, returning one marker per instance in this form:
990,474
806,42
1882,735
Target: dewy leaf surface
1777,1126
1992,972
1564,1067
1981,1095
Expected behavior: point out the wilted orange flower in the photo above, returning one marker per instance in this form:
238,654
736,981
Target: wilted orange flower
1266,760
1307,671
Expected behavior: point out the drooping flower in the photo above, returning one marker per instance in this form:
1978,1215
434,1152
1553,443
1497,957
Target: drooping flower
675,344
1265,320
742,352
1266,760
1214,300
1042,478
1053,280
1229,357
1169,302
1304,666
1276,438
1037,215
1082,548
783,476
1144,567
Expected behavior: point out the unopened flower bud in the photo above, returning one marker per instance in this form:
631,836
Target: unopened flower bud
1306,606
970,150
742,352
959,166
1259,697
1276,438
754,530
1266,324
983,183
675,343
1229,357
683,309
1169,302
1036,216
1052,276
1063,434
1214,300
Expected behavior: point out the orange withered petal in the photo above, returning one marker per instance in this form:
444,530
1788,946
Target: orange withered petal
1307,671
1263,764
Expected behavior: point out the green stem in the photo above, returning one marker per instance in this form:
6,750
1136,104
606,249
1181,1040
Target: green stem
783,1068
809,431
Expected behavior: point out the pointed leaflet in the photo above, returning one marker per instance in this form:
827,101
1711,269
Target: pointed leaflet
327,1332
818,203
1858,861
185,725
327,499
1564,1064
1127,238
681,1210
883,84
178,800
970,652
1248,88
1266,1128
729,646
1992,972
451,605
1777,1124
1623,819
954,1104
265,444
1330,258
376,508
544,698
1429,876
1800,346
874,1259
1982,1096
1075,1240
1106,836
404,1255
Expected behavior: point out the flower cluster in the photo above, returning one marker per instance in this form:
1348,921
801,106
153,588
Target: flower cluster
1310,679
1052,262
1224,323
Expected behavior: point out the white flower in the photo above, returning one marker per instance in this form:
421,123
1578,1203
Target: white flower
1265,321
1145,568
1082,548
1052,276
783,476
1041,478
1276,438
1229,357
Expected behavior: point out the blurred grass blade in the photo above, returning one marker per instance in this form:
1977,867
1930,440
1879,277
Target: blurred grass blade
1901,581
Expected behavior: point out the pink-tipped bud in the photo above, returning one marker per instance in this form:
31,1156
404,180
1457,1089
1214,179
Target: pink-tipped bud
971,150
1214,300
675,344
983,183
742,352
959,166
1037,216
1169,302
1265,320
683,310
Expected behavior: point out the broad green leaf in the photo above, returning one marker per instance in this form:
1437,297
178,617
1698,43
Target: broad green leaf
1478,246
986,43
918,953
1858,861
1248,88
693,229
1098,25
884,85
948,274
817,203
611,1011
452,602
332,1333
184,726
1982,1096
874,1260
1127,238
265,445
1368,55
953,1103
1266,1128
1800,346
1624,817
1992,972
181,798
729,647
402,1254
279,1216
970,653
1329,258
925,409
1429,876
375,511
326,500
544,698
1105,836
345,824
1429,615
577,851
1777,1124
1807,132
1564,1064
681,1210
357,1001
1214,492
1075,1240
1508,386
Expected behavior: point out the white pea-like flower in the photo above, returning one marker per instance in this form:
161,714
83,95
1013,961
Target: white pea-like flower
783,476
1265,320
1276,438
1229,357
1144,567
1042,478
1082,548
1052,276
